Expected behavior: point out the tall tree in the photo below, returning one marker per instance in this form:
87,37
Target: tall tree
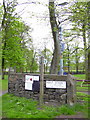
54,27
1,14
88,13
80,18
12,27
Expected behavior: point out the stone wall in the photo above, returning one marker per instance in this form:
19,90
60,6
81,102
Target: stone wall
16,86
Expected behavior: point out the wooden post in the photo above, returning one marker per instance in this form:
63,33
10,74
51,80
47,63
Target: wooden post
71,90
41,81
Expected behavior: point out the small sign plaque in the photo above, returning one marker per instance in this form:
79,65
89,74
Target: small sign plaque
31,82
36,78
55,84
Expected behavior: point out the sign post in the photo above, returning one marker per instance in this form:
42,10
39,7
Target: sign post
41,81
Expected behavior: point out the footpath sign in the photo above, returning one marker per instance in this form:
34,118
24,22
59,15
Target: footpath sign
55,84
32,83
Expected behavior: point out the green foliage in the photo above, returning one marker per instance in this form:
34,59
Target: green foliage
80,11
47,57
79,19
19,107
12,53
15,38
30,62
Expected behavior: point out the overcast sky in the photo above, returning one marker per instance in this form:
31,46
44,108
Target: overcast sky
37,17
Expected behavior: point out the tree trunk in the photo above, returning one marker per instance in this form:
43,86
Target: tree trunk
14,69
85,48
54,27
77,63
68,58
88,69
2,68
4,42
88,72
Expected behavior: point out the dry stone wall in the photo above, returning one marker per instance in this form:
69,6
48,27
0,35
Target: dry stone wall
16,86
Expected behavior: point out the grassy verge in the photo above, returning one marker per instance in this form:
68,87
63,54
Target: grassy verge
82,86
5,83
18,107
84,100
80,76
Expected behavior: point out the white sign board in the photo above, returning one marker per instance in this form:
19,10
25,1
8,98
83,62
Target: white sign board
55,84
29,81
28,86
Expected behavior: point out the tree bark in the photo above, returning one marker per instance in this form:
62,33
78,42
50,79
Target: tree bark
85,49
88,69
77,61
88,72
54,27
68,58
4,42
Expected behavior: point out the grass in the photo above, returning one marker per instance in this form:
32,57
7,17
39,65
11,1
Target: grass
85,98
5,83
19,107
80,76
85,86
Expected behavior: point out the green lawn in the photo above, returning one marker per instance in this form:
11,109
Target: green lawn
18,107
80,76
80,86
5,83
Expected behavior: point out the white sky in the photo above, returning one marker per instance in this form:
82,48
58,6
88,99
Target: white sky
37,17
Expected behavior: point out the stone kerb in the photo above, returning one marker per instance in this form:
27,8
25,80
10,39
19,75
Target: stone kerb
16,86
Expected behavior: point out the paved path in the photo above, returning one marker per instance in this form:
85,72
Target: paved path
3,92
78,115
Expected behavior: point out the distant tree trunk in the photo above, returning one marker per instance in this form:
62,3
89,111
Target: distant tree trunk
88,75
77,63
88,69
68,58
85,48
54,27
21,69
32,62
14,69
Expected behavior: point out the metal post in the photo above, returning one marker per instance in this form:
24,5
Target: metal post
60,37
61,56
